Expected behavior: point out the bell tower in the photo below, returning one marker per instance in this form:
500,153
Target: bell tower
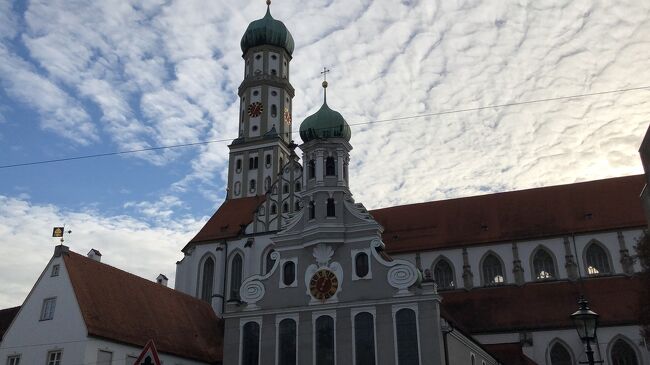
263,146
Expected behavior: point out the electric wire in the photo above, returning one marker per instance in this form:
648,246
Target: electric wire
379,121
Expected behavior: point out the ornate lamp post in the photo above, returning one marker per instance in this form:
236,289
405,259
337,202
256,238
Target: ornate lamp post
586,322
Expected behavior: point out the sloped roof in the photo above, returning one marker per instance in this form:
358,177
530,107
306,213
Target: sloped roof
123,307
228,221
524,214
509,354
7,316
543,305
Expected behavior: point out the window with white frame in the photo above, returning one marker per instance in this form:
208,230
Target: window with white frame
364,339
47,311
287,341
104,357
54,357
236,272
55,270
406,333
13,360
361,264
324,333
250,344
207,280
289,273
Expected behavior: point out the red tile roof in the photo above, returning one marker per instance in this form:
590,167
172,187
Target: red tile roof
126,308
6,317
228,221
543,305
525,214
509,354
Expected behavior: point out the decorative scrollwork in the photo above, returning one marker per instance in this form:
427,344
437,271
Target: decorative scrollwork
252,291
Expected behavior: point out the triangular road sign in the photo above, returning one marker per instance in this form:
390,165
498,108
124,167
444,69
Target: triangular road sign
149,355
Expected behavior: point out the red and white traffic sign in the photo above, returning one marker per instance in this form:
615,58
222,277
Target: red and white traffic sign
149,355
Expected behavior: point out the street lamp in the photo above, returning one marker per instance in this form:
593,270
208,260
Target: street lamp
586,322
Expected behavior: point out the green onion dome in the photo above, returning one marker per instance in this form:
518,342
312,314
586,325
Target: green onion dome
325,123
267,31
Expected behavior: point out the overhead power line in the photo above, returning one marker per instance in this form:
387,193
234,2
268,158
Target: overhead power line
395,119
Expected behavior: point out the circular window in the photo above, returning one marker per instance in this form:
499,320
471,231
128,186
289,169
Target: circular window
255,93
274,93
257,57
274,57
254,128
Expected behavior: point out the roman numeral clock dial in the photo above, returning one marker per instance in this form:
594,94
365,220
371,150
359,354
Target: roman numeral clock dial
323,284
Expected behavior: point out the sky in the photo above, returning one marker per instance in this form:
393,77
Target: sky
90,77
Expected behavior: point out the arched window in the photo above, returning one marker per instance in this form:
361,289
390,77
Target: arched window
560,355
285,207
623,354
492,270
443,274
312,210
330,166
274,209
207,280
236,266
331,208
287,342
268,160
364,339
289,273
298,187
543,265
268,262
472,359
274,108
597,260
250,344
324,340
361,265
311,169
406,334
238,165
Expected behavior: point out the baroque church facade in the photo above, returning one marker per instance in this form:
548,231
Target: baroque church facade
303,274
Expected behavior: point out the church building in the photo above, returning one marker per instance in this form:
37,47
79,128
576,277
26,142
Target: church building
301,273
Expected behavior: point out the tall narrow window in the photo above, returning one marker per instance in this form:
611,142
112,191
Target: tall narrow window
268,160
312,210
361,265
250,344
364,339
54,357
236,267
597,260
269,261
492,270
47,311
287,342
285,188
255,162
324,340
331,208
251,163
407,337
252,186
330,166
298,187
623,354
274,209
267,183
274,110
289,273
560,355
104,357
297,206
285,207
311,169
238,165
207,279
443,274
13,360
543,265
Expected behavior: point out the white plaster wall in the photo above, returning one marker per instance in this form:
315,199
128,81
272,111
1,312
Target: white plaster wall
274,100
32,338
121,351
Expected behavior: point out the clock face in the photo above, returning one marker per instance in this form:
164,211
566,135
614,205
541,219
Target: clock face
255,109
323,284
287,116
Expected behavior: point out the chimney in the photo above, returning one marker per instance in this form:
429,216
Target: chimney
95,255
162,280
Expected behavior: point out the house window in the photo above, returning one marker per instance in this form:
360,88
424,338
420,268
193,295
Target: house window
104,357
492,270
252,186
472,359
207,279
235,276
47,312
274,110
312,210
267,183
55,270
238,165
289,273
311,169
560,355
407,337
443,274
597,260
252,163
13,360
330,166
54,357
324,340
361,264
543,265
267,160
364,339
623,354
287,342
251,344
331,208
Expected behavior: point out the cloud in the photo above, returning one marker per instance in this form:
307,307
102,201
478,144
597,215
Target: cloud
125,242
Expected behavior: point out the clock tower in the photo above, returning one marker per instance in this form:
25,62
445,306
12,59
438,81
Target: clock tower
263,147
